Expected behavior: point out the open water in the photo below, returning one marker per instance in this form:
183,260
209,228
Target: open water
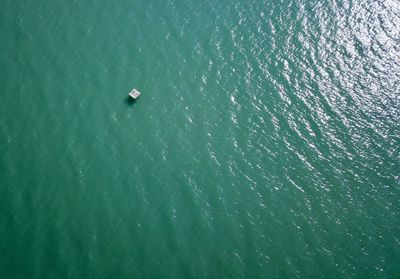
265,143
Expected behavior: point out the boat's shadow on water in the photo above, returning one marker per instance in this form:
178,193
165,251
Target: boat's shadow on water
129,101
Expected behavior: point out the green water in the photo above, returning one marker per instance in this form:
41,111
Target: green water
265,143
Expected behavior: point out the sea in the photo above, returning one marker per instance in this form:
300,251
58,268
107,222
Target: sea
265,142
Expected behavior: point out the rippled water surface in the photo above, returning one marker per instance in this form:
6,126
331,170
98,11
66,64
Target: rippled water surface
265,143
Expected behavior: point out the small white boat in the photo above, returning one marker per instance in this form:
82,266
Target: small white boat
134,94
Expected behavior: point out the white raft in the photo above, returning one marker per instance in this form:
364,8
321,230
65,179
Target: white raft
134,94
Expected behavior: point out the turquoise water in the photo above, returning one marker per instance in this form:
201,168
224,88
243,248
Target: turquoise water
265,143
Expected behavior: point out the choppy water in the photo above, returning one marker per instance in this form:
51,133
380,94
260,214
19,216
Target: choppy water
265,143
